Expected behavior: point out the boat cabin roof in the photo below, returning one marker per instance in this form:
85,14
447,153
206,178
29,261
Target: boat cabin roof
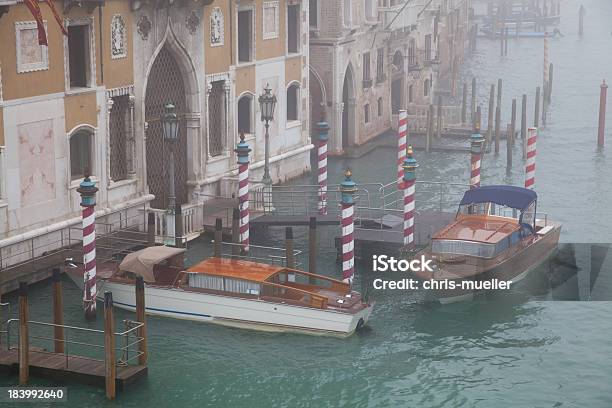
510,196
479,228
236,268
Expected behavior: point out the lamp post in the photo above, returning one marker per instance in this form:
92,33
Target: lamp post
170,129
267,103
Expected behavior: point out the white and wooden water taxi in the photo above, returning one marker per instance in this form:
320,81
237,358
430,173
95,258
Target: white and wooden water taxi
233,292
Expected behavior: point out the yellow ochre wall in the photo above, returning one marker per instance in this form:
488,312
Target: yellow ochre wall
274,47
293,69
245,79
218,59
81,109
118,72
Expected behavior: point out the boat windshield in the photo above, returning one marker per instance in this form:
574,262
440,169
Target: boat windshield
459,247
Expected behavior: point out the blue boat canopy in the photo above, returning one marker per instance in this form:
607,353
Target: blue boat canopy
510,196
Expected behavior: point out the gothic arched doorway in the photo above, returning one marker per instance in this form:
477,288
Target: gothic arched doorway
348,112
164,85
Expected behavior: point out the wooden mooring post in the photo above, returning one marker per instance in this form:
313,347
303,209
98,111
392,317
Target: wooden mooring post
24,339
150,229
439,119
430,115
473,101
509,150
58,313
109,346
603,96
523,125
490,117
218,237
536,118
513,122
289,254
550,82
498,115
464,105
312,245
141,317
236,232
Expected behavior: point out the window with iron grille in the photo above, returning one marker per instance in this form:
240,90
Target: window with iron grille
428,47
366,113
80,153
119,123
380,65
216,118
412,60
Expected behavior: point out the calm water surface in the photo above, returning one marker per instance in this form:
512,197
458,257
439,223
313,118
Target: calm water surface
517,350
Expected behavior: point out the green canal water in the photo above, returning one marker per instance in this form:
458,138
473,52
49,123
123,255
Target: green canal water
517,349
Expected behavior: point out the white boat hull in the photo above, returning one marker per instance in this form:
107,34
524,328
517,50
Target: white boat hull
238,312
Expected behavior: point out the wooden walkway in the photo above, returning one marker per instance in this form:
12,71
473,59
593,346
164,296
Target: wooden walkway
69,368
389,238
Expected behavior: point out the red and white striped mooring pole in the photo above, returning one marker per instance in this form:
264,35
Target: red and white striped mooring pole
402,141
530,165
348,188
323,130
476,145
87,189
243,150
410,165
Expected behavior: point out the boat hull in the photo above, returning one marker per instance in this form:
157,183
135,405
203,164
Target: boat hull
514,269
237,312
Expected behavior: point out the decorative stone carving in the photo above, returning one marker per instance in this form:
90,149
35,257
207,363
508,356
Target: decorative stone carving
144,27
118,37
193,21
217,27
30,55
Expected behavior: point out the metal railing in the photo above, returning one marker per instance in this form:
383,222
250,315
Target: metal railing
127,350
259,253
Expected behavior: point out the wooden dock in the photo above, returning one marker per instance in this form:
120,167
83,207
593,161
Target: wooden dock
69,368
388,238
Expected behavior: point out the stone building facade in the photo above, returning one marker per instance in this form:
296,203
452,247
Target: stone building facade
368,59
94,99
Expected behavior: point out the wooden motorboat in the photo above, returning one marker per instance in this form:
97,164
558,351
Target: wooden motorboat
495,237
233,292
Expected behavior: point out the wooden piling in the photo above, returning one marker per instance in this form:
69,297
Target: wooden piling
497,128
509,151
178,227
536,118
24,340
236,232
550,82
109,346
490,117
150,229
507,35
312,245
603,95
218,237
430,115
58,312
478,121
289,254
513,122
464,105
141,318
473,101
544,105
439,119
524,125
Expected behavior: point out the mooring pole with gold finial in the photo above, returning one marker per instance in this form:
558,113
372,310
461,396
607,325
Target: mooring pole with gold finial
348,188
87,189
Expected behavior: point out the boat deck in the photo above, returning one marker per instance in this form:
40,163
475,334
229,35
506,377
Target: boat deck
477,228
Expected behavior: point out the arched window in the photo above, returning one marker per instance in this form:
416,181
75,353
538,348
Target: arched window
245,114
410,94
81,146
293,95
426,87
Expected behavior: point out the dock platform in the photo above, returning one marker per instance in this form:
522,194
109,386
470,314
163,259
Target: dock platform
69,368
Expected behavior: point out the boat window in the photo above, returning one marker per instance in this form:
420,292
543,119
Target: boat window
458,247
223,284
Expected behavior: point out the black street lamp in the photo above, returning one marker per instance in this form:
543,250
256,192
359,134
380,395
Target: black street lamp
170,127
267,103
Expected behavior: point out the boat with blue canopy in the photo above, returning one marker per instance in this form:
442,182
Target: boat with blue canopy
497,234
